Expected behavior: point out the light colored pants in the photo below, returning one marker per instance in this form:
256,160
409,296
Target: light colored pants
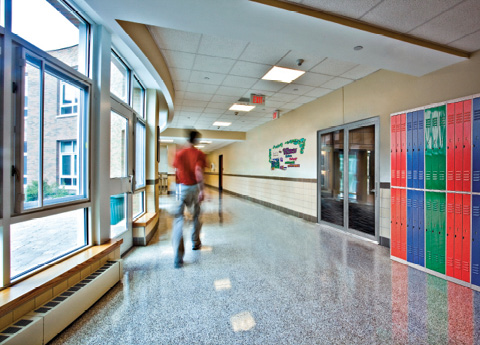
188,196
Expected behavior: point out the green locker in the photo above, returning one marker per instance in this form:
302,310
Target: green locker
428,149
435,231
442,148
435,148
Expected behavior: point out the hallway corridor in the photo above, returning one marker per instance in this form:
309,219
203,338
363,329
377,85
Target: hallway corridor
263,277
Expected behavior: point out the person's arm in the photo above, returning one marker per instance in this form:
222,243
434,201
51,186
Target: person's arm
199,178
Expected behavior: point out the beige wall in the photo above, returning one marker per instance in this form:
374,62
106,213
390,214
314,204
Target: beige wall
379,94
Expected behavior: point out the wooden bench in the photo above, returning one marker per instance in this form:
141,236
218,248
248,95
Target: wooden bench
144,228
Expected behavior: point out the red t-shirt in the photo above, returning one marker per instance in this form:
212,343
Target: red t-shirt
186,160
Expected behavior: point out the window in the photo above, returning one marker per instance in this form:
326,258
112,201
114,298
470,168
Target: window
56,166
118,145
140,155
119,78
67,164
69,98
138,97
138,206
40,22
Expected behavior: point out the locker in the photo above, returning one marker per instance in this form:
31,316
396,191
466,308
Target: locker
450,233
476,146
434,160
467,205
442,148
467,145
403,150
414,221
458,146
398,145
421,150
410,227
409,150
441,228
457,255
428,149
421,227
393,150
429,232
451,146
476,239
415,149
393,223
403,224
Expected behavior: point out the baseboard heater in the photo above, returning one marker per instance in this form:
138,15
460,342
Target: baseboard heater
44,323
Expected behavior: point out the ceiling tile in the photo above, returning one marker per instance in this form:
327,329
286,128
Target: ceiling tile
212,112
250,69
404,16
275,104
180,85
313,79
222,47
318,92
175,39
201,78
225,99
231,91
263,54
197,96
177,59
336,83
197,104
201,88
285,97
452,25
309,61
296,89
348,8
359,71
304,99
213,64
470,43
219,105
333,67
180,74
240,82
268,85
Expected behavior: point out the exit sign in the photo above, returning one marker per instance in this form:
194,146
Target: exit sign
257,99
276,114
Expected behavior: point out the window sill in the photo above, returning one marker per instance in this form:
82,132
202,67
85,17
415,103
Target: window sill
144,220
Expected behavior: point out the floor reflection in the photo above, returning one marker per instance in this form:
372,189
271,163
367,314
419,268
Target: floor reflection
430,310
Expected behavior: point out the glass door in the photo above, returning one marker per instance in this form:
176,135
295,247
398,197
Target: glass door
121,173
349,200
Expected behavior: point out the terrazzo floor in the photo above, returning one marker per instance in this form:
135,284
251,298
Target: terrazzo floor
263,277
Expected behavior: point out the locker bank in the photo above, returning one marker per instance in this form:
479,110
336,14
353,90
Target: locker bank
342,171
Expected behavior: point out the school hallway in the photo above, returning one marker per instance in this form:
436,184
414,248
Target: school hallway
264,277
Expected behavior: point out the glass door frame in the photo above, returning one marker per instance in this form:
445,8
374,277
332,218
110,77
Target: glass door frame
375,121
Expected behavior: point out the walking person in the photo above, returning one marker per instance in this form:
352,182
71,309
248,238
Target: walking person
189,164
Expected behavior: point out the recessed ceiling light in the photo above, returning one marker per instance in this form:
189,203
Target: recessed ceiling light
358,48
219,123
166,140
205,142
281,74
241,107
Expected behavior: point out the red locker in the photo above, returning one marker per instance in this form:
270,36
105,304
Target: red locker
393,221
450,233
459,146
403,224
467,145
451,146
457,251
393,150
403,151
398,218
398,144
467,206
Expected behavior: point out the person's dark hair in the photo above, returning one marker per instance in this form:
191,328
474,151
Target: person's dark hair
193,136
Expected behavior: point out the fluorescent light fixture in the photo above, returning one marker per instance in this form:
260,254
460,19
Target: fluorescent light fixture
205,142
219,123
199,146
281,74
241,107
166,140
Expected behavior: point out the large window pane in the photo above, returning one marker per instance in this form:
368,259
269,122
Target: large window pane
31,135
118,212
54,28
36,242
138,206
140,155
331,177
138,98
2,13
118,145
61,134
118,78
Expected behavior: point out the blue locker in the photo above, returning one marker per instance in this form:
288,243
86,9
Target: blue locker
421,149
414,215
476,146
409,150
476,239
415,150
410,229
421,227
